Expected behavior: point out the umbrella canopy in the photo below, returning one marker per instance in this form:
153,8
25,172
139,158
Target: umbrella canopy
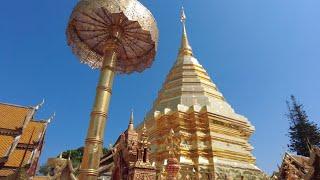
93,23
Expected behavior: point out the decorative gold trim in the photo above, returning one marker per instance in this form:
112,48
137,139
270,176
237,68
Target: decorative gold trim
100,113
108,67
89,172
94,140
105,88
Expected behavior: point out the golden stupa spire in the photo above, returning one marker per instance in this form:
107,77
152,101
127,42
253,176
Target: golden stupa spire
185,48
131,127
188,83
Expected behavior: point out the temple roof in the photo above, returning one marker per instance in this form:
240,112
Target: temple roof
188,84
6,143
301,161
20,136
31,136
34,128
13,116
6,172
13,119
18,156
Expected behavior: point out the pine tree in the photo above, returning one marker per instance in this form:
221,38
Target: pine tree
301,131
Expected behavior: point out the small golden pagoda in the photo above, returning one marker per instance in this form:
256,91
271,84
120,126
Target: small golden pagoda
128,158
213,137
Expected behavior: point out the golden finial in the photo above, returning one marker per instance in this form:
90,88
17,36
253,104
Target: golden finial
185,48
144,137
144,132
131,127
183,16
144,126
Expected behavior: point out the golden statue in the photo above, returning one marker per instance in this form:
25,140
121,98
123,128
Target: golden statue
173,166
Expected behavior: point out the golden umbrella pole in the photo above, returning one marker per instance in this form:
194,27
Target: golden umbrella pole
118,36
94,141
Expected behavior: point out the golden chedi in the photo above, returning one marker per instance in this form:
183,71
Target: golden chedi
213,137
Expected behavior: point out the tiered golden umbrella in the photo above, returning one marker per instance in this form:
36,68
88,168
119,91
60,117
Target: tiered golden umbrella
115,36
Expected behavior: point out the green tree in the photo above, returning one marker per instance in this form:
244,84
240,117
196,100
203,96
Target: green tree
301,130
75,156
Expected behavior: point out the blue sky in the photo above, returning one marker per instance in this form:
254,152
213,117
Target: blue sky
257,52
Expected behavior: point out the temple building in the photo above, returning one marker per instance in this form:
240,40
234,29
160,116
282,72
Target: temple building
214,139
21,141
128,158
295,167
